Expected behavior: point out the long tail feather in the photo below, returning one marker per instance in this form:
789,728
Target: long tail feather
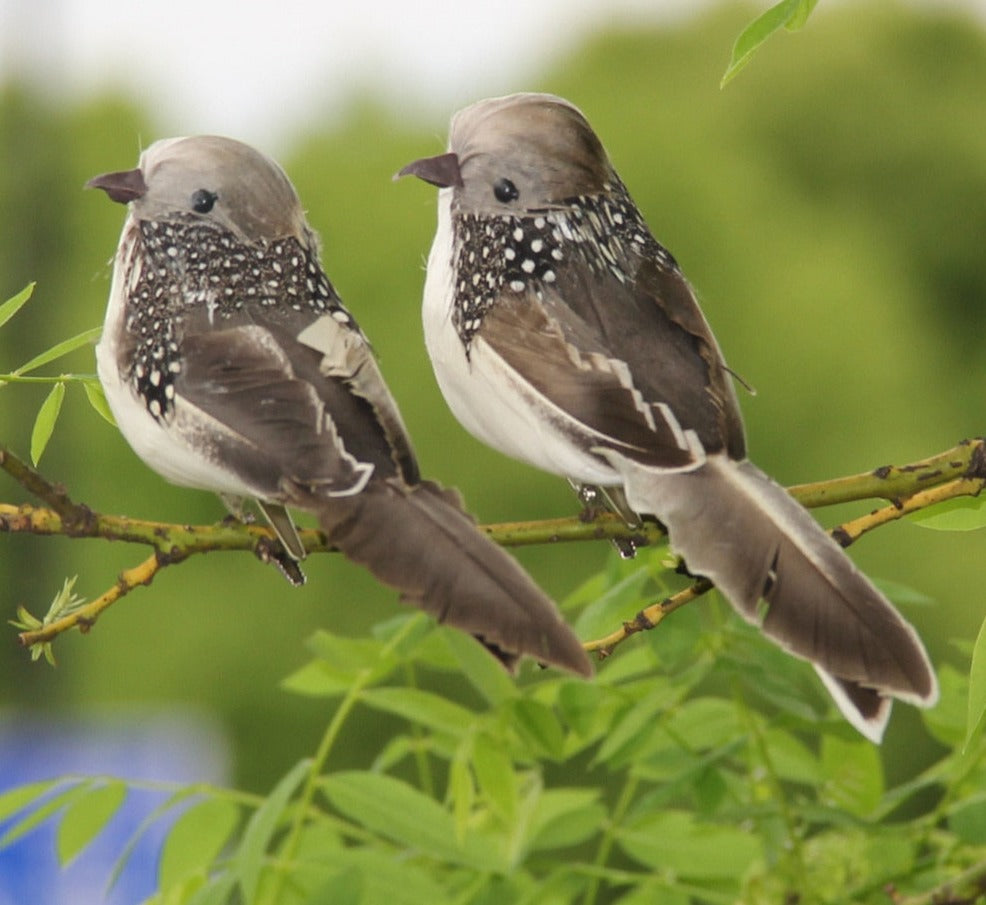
781,571
419,540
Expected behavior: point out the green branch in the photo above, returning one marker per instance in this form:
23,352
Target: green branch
957,472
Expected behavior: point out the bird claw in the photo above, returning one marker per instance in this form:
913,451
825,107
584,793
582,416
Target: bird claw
272,552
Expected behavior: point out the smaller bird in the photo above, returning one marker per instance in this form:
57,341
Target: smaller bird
562,333
231,365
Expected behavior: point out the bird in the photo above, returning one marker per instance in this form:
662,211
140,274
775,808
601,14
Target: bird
231,365
562,333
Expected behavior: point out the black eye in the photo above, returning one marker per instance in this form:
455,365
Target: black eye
203,200
505,190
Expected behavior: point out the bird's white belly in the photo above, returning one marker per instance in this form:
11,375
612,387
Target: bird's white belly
163,450
488,397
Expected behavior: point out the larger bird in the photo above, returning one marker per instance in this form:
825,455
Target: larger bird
562,333
231,365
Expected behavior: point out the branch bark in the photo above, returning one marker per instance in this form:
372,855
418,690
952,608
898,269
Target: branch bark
956,472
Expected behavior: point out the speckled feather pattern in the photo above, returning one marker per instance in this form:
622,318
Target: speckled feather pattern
179,265
511,253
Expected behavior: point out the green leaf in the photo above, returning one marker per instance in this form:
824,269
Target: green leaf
218,892
16,799
10,307
538,726
195,840
791,759
620,601
317,680
40,814
961,514
852,775
642,717
395,881
485,674
86,817
423,708
676,841
579,704
60,349
948,720
393,809
97,399
44,424
564,817
496,775
461,791
655,891
977,686
260,829
789,14
172,801
344,888
968,820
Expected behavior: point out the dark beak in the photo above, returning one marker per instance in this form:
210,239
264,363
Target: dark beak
125,186
442,170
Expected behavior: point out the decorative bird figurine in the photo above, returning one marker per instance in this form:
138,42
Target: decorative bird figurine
231,365
563,334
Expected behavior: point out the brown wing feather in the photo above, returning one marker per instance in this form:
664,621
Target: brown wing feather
268,423
557,356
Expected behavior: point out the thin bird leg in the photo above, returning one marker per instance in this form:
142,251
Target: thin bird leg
597,500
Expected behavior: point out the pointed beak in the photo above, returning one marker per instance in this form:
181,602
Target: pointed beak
442,170
122,187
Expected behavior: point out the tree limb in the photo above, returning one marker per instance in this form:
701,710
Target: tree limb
960,471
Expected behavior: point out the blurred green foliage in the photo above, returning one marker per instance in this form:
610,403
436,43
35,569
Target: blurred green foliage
829,206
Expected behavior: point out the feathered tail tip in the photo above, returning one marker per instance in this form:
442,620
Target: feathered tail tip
781,571
419,540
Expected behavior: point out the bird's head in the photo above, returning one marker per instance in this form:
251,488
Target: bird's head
523,152
213,179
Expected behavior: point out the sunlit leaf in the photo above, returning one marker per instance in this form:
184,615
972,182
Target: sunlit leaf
97,399
399,812
461,791
318,680
790,14
948,720
538,726
852,774
675,841
487,676
10,307
86,817
421,707
195,840
564,817
495,774
18,798
43,812
260,830
394,881
218,892
344,888
149,820
642,716
44,424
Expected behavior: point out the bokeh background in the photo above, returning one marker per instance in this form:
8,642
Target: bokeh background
829,206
